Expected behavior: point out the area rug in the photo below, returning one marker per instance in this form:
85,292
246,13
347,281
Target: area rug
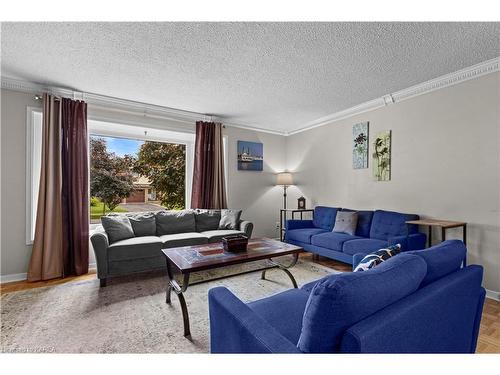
130,314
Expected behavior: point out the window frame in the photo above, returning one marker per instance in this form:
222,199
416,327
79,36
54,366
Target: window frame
30,191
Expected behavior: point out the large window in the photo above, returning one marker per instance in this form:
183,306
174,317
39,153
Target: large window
135,175
134,168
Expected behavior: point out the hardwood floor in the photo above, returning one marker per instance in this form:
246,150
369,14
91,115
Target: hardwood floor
489,333
23,285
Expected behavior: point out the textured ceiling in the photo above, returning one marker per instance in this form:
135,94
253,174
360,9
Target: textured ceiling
277,76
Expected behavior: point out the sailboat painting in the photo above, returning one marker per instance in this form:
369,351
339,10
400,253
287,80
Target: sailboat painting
250,156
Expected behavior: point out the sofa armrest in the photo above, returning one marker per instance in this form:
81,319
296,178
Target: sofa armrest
356,258
299,224
414,241
247,227
100,243
235,328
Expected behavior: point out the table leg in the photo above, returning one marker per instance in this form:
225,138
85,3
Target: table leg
429,240
443,234
179,290
464,228
284,268
281,225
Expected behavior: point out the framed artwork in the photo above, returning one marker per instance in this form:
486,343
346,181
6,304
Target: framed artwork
382,156
360,145
250,156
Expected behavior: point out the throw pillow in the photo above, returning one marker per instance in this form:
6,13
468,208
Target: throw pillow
373,259
173,222
230,219
207,220
143,224
117,227
346,222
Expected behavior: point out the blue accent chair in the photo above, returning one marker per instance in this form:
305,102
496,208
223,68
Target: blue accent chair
375,230
419,302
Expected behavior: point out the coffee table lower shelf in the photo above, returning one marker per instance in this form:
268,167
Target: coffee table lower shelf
179,290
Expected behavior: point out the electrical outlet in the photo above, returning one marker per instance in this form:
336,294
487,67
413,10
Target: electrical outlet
277,225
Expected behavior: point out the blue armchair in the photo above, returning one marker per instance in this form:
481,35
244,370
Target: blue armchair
419,302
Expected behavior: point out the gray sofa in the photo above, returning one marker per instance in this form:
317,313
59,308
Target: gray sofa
150,232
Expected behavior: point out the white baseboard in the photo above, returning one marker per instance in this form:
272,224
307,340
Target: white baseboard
23,276
491,294
13,277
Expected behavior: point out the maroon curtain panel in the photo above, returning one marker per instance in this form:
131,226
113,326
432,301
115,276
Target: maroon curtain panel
75,188
207,190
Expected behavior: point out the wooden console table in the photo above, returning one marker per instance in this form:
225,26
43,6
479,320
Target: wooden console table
443,224
283,217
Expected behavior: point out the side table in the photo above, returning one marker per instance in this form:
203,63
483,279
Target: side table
443,224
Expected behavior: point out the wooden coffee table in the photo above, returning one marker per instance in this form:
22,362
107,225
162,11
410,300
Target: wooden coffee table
188,259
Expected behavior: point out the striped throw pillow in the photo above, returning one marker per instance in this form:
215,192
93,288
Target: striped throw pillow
373,259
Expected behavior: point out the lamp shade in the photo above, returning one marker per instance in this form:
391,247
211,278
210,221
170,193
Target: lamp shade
284,178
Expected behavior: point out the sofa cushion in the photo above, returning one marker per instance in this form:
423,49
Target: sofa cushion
230,219
346,222
374,259
143,224
364,222
387,224
137,247
172,222
332,240
336,303
216,235
289,304
183,239
207,220
324,217
303,235
117,227
363,245
441,259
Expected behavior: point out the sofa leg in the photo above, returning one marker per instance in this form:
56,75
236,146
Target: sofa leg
103,282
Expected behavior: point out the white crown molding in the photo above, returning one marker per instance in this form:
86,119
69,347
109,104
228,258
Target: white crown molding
475,71
96,101
349,112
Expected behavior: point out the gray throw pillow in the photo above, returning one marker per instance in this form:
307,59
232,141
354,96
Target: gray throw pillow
173,222
117,227
207,220
230,219
346,222
143,224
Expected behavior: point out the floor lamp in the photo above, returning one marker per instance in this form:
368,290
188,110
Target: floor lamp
284,179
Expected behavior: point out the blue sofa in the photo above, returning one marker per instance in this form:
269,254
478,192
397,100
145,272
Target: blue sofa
375,230
415,302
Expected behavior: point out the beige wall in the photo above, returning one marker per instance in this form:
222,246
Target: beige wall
254,192
445,164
